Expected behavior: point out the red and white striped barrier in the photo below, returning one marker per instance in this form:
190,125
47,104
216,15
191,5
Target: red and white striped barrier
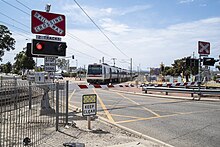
177,84
85,86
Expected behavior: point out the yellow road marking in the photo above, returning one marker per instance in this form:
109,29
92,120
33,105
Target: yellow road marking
165,116
126,116
70,96
104,107
139,105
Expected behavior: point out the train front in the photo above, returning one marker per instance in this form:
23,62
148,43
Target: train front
95,74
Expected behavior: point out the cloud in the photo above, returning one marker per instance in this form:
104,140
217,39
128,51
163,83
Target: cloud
73,12
150,47
185,1
114,27
133,9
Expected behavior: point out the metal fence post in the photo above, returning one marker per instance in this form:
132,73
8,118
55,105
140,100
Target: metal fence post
67,100
30,95
1,81
57,106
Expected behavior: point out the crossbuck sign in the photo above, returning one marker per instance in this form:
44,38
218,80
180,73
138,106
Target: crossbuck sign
47,23
203,48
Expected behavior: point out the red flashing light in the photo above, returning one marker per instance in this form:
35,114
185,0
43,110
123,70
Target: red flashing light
39,46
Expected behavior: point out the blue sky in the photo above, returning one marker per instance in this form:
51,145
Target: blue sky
148,31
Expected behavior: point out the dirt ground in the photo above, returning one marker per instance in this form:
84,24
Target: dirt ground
101,134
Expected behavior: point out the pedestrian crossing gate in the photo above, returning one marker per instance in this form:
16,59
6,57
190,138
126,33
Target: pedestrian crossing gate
89,104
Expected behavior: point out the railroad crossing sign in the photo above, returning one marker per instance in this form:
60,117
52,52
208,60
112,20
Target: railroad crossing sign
203,48
89,104
47,23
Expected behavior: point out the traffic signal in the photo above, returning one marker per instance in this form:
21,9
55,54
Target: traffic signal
209,61
28,51
48,48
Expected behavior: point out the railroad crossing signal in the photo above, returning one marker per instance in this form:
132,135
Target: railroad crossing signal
203,48
209,61
48,48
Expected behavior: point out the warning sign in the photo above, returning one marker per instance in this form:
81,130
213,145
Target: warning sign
47,23
50,64
89,104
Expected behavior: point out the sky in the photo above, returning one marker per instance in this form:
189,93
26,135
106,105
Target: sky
150,32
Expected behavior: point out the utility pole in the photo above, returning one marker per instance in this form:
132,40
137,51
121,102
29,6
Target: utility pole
103,60
114,60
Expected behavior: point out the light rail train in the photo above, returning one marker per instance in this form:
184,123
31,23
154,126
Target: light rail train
103,73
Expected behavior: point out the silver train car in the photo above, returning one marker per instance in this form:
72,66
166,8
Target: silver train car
104,73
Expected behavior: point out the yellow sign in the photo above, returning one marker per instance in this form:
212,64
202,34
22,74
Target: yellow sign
89,98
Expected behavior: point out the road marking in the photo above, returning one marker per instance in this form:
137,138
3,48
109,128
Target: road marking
70,96
165,116
126,116
104,107
139,105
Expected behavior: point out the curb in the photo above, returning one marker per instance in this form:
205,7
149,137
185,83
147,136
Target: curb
161,143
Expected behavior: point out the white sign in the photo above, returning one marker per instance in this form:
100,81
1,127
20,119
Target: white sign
50,64
89,109
48,38
39,77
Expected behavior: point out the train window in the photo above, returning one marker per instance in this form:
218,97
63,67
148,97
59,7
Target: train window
95,69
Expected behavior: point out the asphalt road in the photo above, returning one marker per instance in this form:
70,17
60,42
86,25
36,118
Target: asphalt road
181,123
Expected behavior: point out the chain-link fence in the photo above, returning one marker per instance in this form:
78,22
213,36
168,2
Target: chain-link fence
28,114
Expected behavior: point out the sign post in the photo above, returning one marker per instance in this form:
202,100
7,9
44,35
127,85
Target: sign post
203,50
89,107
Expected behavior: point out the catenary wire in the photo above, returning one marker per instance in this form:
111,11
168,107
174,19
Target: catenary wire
69,34
99,28
15,7
24,5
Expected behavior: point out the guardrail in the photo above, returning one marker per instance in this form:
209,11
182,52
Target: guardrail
191,91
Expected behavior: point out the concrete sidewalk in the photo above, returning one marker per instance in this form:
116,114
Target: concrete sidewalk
102,134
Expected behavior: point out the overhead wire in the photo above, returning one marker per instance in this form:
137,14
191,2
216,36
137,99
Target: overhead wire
69,34
15,7
78,39
14,27
99,28
24,5
14,20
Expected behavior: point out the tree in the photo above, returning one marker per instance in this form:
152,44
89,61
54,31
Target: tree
6,41
7,68
23,62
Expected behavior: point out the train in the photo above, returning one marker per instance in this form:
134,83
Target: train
103,74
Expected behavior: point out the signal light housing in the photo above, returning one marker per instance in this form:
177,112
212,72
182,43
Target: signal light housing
209,61
48,48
